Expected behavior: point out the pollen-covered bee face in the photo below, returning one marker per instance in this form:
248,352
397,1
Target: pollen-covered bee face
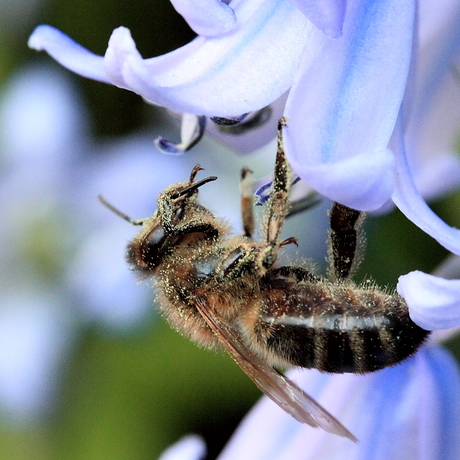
149,248
177,216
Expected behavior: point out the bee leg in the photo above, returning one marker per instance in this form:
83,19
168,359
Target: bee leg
278,203
286,277
247,202
345,241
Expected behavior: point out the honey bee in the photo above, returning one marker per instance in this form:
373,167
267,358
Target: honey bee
228,290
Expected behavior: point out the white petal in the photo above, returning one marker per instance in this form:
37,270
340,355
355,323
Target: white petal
345,104
434,303
190,447
68,53
206,17
327,15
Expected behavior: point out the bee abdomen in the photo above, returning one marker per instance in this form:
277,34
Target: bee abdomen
337,330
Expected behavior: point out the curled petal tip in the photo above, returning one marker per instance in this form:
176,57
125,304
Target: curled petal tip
207,18
192,130
68,53
35,41
434,303
328,16
363,182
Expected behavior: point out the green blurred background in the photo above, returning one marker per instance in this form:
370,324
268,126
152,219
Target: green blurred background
129,395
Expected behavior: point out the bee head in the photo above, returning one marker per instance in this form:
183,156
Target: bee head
168,226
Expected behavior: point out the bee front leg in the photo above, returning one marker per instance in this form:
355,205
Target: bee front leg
278,203
247,194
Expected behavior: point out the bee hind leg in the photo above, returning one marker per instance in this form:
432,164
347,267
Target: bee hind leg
346,242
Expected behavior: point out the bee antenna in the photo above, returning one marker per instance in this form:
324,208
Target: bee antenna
118,212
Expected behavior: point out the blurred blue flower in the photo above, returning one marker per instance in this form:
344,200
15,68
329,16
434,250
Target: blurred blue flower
62,256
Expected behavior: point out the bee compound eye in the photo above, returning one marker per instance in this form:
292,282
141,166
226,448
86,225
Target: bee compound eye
146,253
156,237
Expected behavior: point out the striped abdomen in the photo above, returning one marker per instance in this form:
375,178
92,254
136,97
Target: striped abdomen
335,328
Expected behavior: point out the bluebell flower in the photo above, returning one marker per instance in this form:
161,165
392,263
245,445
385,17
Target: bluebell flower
424,142
34,311
345,64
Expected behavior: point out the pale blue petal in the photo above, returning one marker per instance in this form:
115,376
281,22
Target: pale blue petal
434,15
434,303
121,49
433,128
445,372
223,76
439,175
234,73
408,199
362,181
190,447
206,17
68,53
345,104
327,15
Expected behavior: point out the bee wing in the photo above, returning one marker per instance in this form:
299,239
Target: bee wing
276,386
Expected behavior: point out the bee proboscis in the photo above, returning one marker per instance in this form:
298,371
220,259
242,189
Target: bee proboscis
226,290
